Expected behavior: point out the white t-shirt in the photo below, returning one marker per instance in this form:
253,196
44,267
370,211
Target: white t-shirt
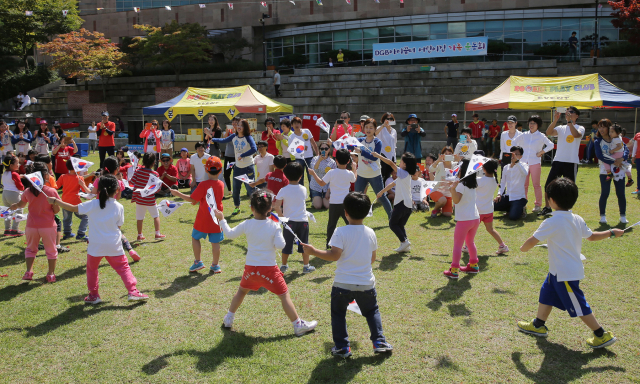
294,202
441,175
389,181
531,144
104,224
92,133
403,189
263,164
564,232
367,167
615,142
466,150
416,186
198,164
568,146
485,193
340,180
241,146
358,242
466,209
389,142
513,180
506,141
263,238
306,136
276,79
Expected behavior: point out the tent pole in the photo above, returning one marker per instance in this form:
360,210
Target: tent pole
635,123
464,122
142,125
180,124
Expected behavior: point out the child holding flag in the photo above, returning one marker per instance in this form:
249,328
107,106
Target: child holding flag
208,193
146,203
71,183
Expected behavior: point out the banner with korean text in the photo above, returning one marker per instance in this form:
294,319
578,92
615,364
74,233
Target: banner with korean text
470,46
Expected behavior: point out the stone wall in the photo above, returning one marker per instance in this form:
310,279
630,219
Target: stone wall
76,99
92,112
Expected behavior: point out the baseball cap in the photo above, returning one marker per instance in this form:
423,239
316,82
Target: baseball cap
213,163
105,113
454,115
43,121
512,118
364,117
184,149
165,155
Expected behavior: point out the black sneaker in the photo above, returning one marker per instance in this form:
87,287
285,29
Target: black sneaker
545,211
343,352
629,183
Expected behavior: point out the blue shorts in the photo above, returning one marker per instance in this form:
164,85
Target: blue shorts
213,237
564,295
315,193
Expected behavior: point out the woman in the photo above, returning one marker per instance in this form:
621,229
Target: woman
340,130
152,138
321,164
22,138
270,136
506,141
442,195
413,136
244,147
369,166
534,144
5,139
93,137
602,145
167,138
213,131
282,138
310,146
389,138
42,139
106,137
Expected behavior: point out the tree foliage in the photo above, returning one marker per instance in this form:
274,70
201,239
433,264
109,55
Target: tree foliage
21,33
231,46
175,45
627,18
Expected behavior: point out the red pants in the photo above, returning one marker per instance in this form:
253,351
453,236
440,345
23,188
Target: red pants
121,266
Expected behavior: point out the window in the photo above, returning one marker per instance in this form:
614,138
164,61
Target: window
420,32
326,36
493,26
386,31
368,44
340,36
370,32
287,40
513,25
298,39
456,30
475,26
439,28
532,36
355,34
403,30
312,38
355,45
340,45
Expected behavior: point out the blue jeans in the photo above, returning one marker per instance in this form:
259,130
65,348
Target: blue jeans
67,220
638,171
368,303
305,164
237,184
605,188
378,185
513,207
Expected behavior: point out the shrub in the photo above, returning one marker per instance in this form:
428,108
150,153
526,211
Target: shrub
621,49
24,80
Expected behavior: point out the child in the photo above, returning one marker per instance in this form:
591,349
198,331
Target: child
40,223
204,226
340,180
487,185
111,168
145,204
391,193
62,153
428,162
70,183
617,151
463,194
184,166
403,203
353,248
12,189
276,180
293,198
22,161
465,150
419,202
563,233
197,162
261,269
51,182
263,161
106,216
168,174
441,196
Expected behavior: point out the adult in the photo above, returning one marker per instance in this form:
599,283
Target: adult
93,137
152,137
340,57
573,47
635,155
244,147
341,128
18,100
269,135
213,131
602,147
21,138
106,142
119,125
330,63
506,141
513,177
321,164
26,101
451,130
283,140
388,135
310,146
442,194
5,139
363,118
369,165
534,144
42,138
477,127
493,142
413,135
565,163
167,138
276,82
590,152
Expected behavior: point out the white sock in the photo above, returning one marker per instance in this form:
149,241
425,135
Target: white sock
231,314
157,232
306,265
296,321
285,265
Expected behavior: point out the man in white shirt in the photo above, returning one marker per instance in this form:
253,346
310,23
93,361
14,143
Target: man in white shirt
565,163
276,82
514,175
263,162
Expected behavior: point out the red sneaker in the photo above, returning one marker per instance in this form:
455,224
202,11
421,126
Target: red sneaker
51,278
141,237
134,255
160,236
27,276
470,268
451,273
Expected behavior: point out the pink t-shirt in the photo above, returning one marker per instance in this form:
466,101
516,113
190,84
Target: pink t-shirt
340,131
95,184
40,211
184,166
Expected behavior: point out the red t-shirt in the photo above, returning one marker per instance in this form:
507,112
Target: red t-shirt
476,129
493,131
104,138
204,223
70,187
184,167
139,181
505,126
625,140
636,138
276,180
171,171
340,131
62,156
272,149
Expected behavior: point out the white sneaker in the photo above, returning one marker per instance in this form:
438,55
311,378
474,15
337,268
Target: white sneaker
603,219
405,246
536,209
465,249
227,321
304,327
502,249
623,219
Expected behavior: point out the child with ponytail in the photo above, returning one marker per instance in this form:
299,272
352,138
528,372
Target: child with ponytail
12,189
106,216
40,222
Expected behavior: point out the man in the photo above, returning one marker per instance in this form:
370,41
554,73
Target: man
573,47
276,82
565,163
340,58
514,200
451,130
106,143
477,127
413,135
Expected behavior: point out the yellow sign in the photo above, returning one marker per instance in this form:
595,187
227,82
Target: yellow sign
231,112
529,92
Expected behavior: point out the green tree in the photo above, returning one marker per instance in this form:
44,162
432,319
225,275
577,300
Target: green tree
231,46
175,45
21,33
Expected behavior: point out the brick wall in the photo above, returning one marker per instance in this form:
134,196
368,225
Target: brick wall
92,112
76,99
167,93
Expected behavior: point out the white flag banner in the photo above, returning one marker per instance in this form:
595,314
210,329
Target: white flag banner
36,180
86,196
202,5
212,204
323,125
134,165
353,306
371,208
340,143
5,213
244,179
230,165
168,207
352,141
452,174
18,217
633,225
153,186
80,165
427,187
310,217
475,165
296,148
126,183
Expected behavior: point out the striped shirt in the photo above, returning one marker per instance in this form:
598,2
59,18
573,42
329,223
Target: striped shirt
139,181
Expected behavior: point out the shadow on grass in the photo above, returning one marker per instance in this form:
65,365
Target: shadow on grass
455,289
233,345
339,370
185,221
320,280
441,223
12,259
561,364
181,283
391,262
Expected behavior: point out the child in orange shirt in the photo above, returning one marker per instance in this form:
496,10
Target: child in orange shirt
71,184
52,183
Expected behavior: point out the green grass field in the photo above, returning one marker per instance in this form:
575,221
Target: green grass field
442,330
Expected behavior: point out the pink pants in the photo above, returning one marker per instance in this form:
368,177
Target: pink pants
534,173
121,266
48,236
465,233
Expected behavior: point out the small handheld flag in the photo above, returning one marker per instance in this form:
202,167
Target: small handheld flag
244,179
310,217
296,148
264,4
230,165
153,185
18,217
202,5
371,208
353,306
86,196
36,180
631,226
324,125
475,165
65,12
167,7
80,165
212,204
280,220
230,5
427,187
168,207
136,9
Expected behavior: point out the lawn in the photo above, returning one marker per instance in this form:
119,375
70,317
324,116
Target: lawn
442,330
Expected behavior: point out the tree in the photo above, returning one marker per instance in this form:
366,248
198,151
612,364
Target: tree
627,18
21,33
175,45
86,55
231,46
